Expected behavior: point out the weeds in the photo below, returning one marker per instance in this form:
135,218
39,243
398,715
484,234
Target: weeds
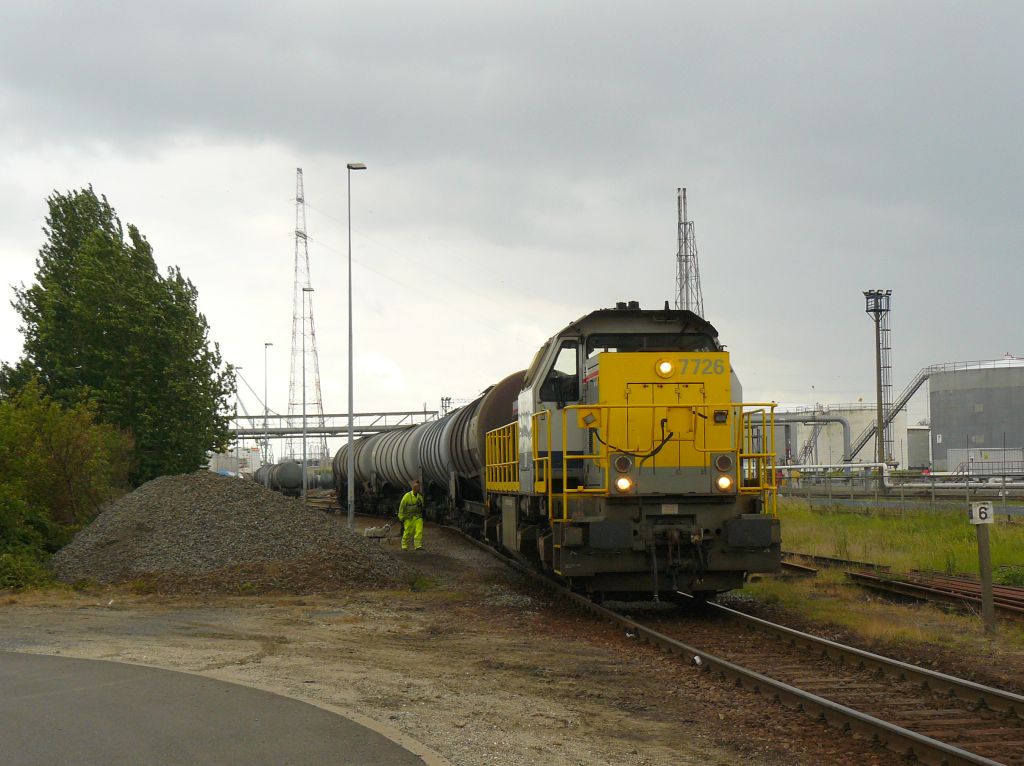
941,540
142,587
419,583
22,569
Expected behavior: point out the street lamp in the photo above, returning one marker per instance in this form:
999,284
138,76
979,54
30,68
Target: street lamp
351,453
238,439
305,290
266,428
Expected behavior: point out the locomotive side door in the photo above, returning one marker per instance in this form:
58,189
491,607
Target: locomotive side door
560,387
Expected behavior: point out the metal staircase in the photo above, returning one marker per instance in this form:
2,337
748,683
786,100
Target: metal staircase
808,446
899,404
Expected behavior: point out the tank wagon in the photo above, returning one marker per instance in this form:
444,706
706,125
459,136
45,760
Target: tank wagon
623,460
285,478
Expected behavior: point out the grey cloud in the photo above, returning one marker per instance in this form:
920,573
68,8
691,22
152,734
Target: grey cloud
828,147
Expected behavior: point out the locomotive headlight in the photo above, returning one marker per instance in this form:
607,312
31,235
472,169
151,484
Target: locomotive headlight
664,368
724,483
623,484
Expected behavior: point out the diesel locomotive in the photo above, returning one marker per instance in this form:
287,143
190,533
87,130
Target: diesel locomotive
623,461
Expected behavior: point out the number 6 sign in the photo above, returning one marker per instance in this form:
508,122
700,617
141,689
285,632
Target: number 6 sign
980,513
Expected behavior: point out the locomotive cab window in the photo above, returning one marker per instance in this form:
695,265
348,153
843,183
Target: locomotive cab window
649,342
562,384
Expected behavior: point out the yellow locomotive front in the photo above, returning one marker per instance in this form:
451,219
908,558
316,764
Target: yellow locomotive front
634,467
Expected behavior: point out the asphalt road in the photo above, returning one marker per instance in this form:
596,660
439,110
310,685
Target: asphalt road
94,713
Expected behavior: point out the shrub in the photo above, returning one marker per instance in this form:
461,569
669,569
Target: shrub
22,569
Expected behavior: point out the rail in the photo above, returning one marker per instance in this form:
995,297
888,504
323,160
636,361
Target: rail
896,738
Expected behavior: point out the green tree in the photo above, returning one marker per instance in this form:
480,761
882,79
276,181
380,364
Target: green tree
102,325
59,461
57,467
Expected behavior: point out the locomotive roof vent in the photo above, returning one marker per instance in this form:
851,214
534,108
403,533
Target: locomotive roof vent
620,305
634,305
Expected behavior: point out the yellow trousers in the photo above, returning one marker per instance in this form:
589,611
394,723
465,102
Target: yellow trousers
413,530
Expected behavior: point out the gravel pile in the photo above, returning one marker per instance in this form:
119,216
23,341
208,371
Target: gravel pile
203,532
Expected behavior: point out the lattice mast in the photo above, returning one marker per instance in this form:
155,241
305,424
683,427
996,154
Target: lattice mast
878,306
304,345
688,294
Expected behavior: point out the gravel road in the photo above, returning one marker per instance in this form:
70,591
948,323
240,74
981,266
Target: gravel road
463,655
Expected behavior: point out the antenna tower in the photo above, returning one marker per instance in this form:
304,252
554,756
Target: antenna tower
305,365
688,295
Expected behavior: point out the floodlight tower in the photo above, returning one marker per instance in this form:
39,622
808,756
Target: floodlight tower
877,307
688,294
303,388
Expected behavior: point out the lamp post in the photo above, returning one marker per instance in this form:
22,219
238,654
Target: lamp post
266,409
351,399
238,439
305,290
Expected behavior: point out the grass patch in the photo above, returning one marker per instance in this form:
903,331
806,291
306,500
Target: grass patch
419,583
142,587
830,599
941,540
23,569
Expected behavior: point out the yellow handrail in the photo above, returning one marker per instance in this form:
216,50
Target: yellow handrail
501,459
543,486
756,463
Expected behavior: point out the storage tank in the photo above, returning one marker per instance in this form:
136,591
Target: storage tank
396,458
340,463
435,454
822,443
976,405
286,477
262,475
364,457
324,479
339,466
497,408
461,442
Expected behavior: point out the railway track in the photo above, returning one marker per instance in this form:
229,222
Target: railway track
957,589
921,714
913,711
952,589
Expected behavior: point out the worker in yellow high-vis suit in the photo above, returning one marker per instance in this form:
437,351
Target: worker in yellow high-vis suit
410,513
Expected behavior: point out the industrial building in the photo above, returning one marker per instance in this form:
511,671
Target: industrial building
975,424
977,409
814,435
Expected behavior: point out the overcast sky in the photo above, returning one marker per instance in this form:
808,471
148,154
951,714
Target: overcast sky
523,163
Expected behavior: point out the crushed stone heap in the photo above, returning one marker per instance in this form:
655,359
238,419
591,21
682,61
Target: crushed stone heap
203,532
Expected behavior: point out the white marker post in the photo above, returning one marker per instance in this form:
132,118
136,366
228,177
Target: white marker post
981,516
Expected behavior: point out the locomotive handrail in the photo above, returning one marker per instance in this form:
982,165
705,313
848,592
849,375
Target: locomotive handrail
501,461
745,457
769,490
756,467
544,486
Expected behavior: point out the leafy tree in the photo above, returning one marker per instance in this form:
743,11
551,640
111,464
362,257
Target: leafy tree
102,325
57,467
59,460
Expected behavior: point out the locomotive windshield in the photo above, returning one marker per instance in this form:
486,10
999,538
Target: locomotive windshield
650,342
